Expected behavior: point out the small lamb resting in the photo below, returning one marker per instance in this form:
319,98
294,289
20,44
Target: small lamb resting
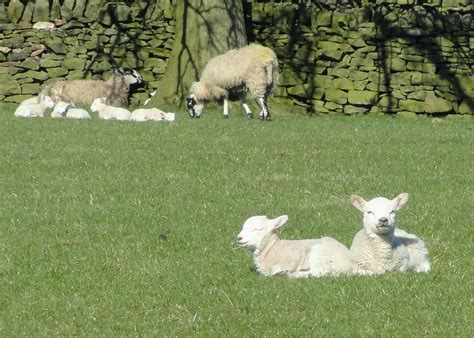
294,258
380,247
252,69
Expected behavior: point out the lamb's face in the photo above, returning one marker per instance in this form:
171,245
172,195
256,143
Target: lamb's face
97,103
131,76
47,101
256,228
379,213
194,108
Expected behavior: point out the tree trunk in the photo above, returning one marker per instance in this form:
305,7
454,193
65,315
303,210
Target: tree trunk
204,28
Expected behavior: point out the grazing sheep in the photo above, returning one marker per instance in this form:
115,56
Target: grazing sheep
294,258
115,89
35,109
151,114
62,109
252,69
107,112
379,247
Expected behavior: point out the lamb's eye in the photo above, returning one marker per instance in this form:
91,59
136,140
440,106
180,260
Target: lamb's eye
257,229
392,212
370,213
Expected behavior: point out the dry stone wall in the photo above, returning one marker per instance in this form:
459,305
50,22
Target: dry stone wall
89,38
337,56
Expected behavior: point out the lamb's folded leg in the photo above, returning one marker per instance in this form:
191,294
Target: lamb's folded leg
248,112
226,108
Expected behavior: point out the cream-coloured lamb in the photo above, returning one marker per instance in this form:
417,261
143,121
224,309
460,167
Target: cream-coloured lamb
107,112
294,258
62,109
34,109
151,114
380,247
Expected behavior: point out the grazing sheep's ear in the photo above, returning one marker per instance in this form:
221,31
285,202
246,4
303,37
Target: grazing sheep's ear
279,221
358,202
400,200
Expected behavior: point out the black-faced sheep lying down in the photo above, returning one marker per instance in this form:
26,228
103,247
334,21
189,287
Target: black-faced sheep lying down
115,89
252,69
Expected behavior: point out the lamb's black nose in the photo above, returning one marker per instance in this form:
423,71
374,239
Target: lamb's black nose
383,220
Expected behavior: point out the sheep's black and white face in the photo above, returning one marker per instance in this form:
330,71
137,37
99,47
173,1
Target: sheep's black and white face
131,75
194,108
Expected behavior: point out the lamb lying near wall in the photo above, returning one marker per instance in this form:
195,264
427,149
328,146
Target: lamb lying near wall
62,109
294,258
34,109
379,247
151,114
115,89
252,69
107,112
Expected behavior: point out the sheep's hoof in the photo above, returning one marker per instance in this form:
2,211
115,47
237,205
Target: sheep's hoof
250,116
226,116
268,118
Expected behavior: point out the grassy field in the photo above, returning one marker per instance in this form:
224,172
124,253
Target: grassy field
110,228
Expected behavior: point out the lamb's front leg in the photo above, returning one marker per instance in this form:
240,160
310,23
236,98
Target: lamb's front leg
264,114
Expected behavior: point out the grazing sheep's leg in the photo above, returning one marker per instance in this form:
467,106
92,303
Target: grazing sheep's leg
248,112
264,114
226,108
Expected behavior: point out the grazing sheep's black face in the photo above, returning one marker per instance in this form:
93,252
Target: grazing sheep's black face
194,108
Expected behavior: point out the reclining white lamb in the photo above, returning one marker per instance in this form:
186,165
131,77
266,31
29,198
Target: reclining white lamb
252,69
294,258
380,247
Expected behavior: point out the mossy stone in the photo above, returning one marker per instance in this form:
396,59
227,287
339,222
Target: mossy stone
335,95
8,85
362,97
15,10
57,72
412,106
437,105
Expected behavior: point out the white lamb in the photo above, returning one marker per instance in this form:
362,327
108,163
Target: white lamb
107,112
252,69
151,114
380,247
62,109
115,89
35,109
294,258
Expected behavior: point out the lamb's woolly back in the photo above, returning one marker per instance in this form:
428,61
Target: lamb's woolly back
107,112
379,247
295,258
35,109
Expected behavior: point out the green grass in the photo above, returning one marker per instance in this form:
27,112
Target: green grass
110,228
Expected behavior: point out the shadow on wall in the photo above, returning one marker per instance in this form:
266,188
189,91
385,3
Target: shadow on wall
394,57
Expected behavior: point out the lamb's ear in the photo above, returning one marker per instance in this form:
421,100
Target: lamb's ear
400,200
279,221
358,202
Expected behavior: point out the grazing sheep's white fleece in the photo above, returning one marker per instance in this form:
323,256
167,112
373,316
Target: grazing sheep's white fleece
294,258
380,247
253,69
